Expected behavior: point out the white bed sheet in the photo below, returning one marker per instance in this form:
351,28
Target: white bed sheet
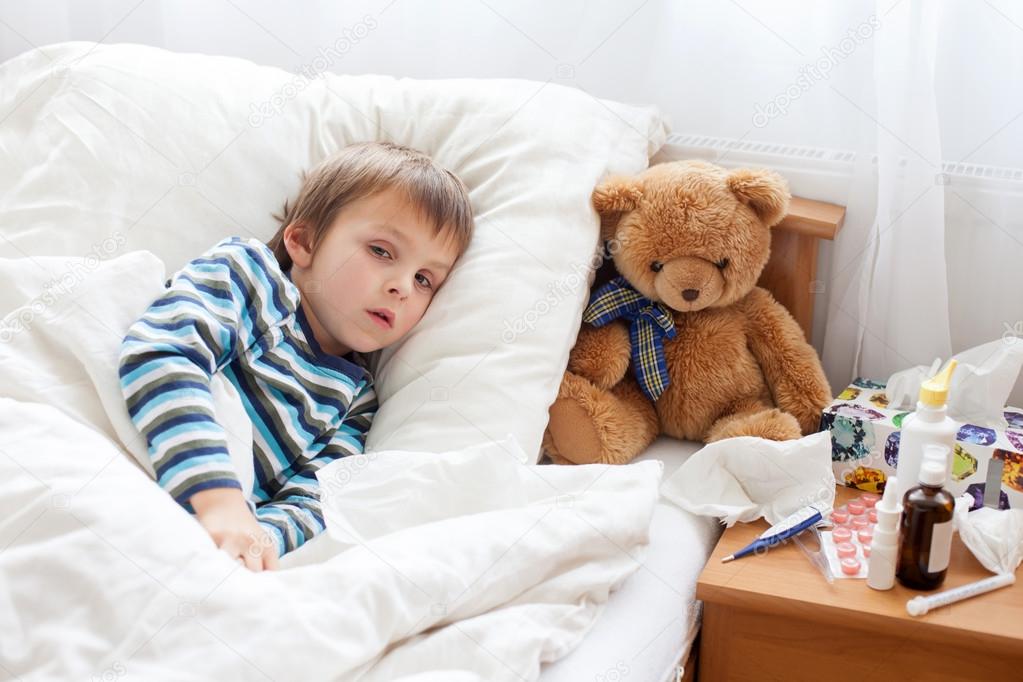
650,623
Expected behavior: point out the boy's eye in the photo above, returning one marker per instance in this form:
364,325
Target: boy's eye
379,250
425,281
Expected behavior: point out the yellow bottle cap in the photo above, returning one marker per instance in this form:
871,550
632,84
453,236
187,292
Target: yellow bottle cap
934,391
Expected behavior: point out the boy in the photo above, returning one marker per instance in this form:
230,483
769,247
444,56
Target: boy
372,236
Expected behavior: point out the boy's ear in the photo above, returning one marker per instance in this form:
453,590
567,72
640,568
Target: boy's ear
613,197
298,240
764,191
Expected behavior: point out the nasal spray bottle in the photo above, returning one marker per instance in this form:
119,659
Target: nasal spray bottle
884,552
930,424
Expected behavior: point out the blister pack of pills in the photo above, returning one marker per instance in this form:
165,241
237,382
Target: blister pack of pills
847,545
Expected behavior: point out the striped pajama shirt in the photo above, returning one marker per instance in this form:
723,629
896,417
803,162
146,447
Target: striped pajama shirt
234,311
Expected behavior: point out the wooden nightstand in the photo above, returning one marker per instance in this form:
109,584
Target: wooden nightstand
774,617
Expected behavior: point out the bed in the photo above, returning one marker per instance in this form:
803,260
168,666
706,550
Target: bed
449,554
650,624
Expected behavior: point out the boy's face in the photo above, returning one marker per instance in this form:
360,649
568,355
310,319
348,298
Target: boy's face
378,254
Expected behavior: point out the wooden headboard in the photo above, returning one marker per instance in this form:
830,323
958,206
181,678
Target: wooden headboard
791,274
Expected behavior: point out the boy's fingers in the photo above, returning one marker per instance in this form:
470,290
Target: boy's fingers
227,544
252,561
268,551
239,550
270,562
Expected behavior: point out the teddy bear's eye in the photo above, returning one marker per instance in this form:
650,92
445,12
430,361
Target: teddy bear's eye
722,264
656,266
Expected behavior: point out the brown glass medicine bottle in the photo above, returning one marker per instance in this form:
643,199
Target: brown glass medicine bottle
925,537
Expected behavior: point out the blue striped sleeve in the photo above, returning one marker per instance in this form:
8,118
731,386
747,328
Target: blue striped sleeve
218,305
295,513
350,436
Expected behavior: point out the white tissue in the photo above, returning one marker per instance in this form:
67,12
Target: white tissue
743,479
981,383
995,536
903,387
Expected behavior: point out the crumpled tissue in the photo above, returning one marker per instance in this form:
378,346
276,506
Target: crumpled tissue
746,478
981,383
995,536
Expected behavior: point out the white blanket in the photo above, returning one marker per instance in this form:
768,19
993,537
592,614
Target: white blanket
468,565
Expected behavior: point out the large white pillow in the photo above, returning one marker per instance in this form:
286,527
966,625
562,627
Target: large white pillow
108,149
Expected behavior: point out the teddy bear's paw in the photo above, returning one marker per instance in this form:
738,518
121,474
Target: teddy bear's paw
572,433
809,422
601,355
771,424
557,459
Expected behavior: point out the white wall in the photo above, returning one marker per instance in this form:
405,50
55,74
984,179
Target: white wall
708,63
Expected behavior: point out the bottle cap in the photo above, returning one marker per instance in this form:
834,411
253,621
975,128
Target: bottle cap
890,502
934,391
917,606
932,470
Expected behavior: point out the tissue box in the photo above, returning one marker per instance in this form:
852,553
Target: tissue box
865,445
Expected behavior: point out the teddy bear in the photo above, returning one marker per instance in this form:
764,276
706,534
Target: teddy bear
677,337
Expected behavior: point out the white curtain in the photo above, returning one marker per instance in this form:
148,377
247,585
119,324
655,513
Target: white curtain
889,305
927,263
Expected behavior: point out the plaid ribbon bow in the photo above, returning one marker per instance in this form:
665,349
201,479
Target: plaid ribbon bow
651,321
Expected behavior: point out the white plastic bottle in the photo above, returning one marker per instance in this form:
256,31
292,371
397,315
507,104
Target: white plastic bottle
929,424
884,550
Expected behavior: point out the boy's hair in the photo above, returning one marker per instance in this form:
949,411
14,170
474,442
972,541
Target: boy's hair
363,169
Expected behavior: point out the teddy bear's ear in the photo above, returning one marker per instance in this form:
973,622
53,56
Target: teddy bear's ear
612,198
766,192
616,195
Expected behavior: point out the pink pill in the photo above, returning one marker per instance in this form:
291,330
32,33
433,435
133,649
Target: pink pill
859,522
850,566
838,517
865,536
869,500
855,507
841,535
866,550
872,515
846,549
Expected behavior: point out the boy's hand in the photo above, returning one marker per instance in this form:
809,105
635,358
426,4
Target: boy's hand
228,520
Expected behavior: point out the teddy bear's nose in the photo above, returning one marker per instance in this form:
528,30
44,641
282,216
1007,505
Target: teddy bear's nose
690,294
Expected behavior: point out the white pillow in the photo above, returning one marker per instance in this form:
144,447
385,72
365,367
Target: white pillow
107,149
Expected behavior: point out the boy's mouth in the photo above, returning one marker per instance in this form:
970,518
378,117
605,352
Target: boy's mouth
382,316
